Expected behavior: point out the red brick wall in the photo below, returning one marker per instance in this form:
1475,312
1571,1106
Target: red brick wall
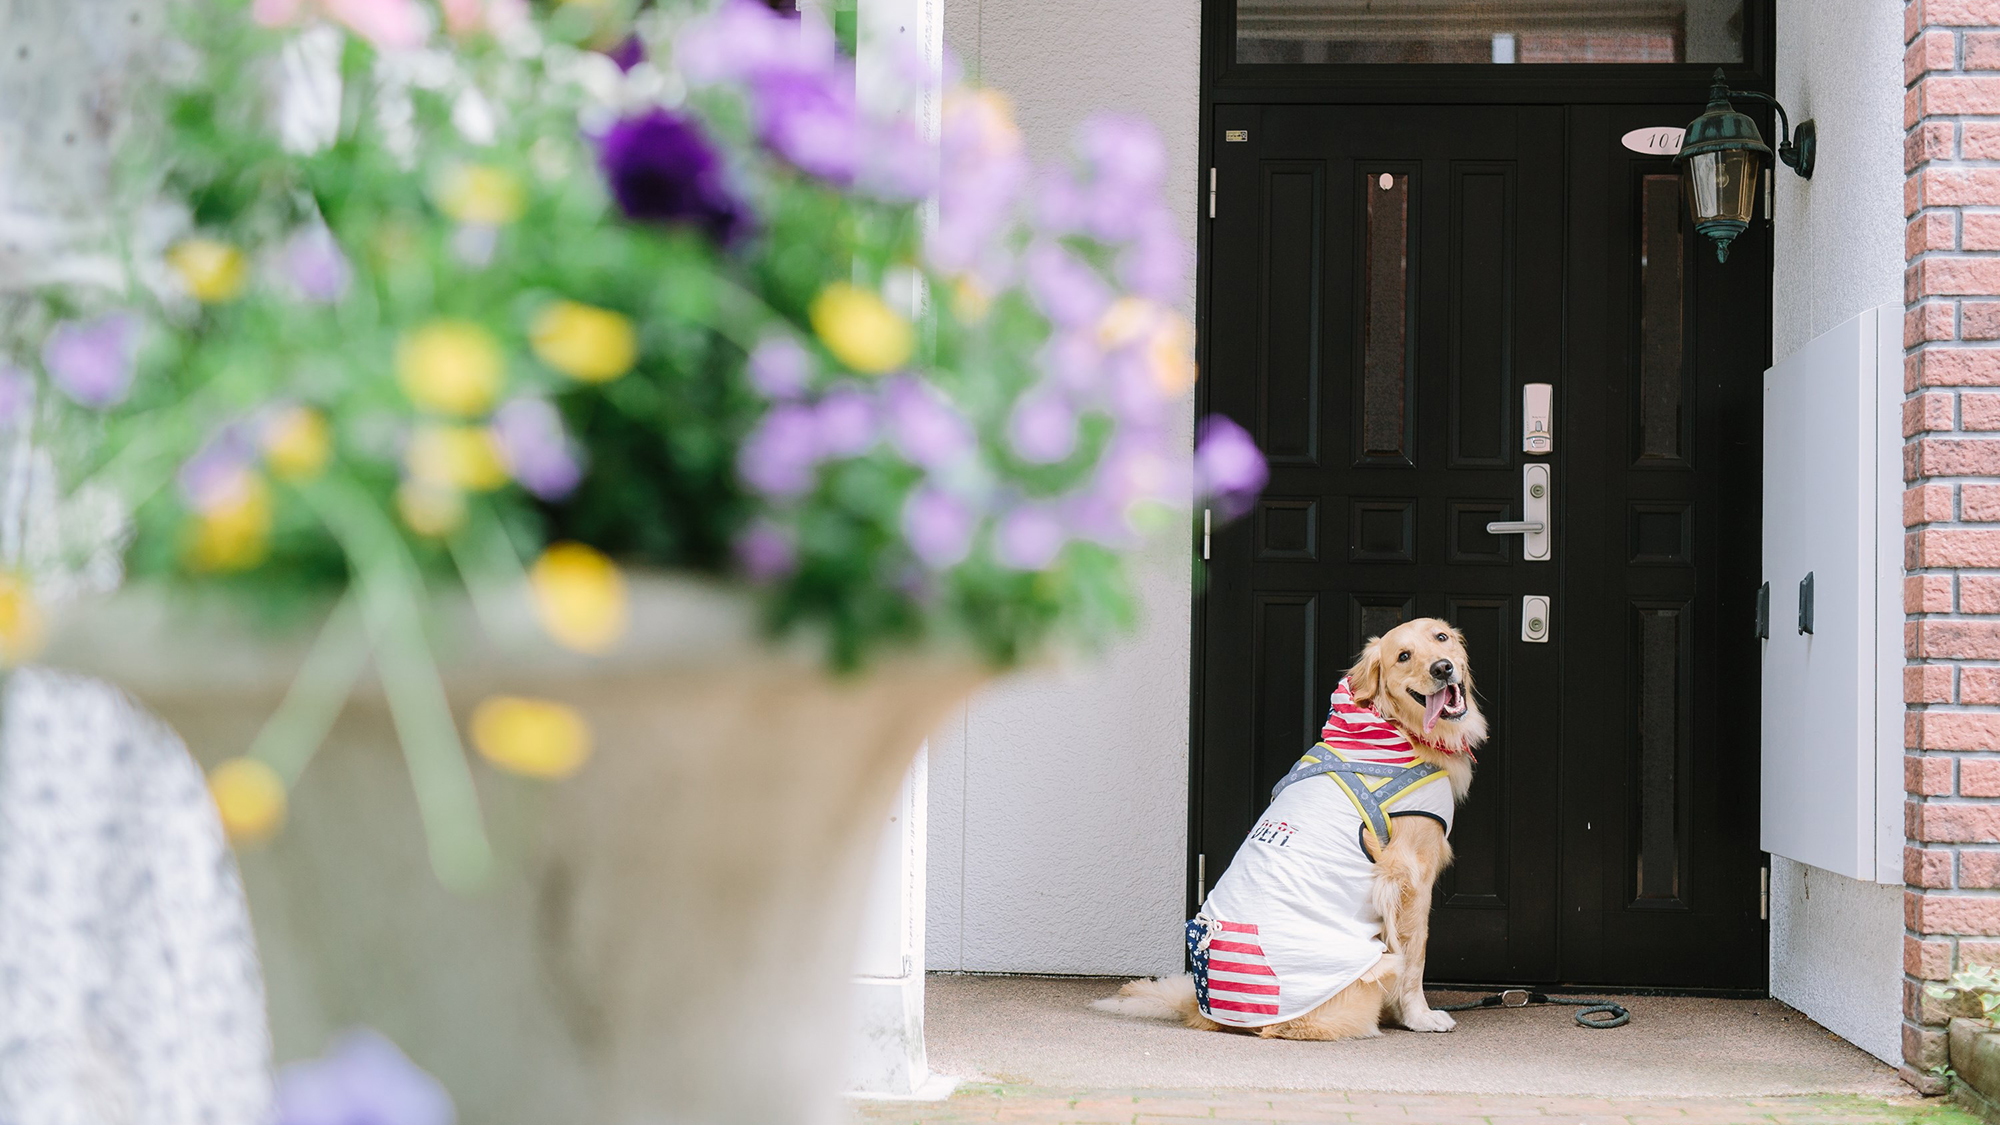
1951,461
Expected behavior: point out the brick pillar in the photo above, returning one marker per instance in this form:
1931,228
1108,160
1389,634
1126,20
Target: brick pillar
1951,507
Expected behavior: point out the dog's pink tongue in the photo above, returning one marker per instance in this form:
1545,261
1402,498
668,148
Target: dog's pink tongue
1434,706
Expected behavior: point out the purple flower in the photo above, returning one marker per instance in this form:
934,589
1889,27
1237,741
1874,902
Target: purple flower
981,173
766,552
1029,538
539,454
93,361
1228,466
629,52
1125,163
1123,149
810,119
1156,263
218,471
1073,360
847,422
896,163
1061,203
661,169
1132,391
938,526
17,394
780,367
361,1080
926,428
1067,291
779,456
312,261
1042,429
744,39
1137,470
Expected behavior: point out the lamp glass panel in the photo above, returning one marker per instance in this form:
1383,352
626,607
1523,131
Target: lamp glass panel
1489,31
1722,185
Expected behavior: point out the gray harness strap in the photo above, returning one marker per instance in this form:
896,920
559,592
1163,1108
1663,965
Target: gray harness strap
1320,760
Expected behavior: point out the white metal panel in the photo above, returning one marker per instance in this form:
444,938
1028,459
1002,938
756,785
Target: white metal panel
1889,594
1821,485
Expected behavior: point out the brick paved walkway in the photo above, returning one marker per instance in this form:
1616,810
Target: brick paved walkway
1041,1106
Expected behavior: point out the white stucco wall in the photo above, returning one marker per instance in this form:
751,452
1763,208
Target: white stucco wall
1836,943
1058,800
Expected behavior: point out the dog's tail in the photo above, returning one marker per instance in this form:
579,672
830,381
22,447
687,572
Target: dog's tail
1154,998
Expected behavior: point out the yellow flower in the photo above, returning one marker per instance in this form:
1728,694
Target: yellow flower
533,737
212,271
970,301
1170,356
584,342
251,798
22,626
1167,340
430,510
1126,320
860,329
480,193
579,597
234,533
297,443
458,457
986,115
450,366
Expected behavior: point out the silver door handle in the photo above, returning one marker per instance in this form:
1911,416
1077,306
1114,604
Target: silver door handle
1533,526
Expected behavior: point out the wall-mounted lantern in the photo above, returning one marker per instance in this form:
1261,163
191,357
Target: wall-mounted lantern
1722,158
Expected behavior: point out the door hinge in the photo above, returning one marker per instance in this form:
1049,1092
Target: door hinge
1764,893
1200,879
1211,192
1206,525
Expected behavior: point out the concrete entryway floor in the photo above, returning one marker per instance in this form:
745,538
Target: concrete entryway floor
1034,1051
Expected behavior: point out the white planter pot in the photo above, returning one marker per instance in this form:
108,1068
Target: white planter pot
672,930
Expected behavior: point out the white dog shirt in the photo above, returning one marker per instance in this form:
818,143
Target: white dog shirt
1292,922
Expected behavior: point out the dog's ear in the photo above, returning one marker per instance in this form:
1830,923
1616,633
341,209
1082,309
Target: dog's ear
1365,678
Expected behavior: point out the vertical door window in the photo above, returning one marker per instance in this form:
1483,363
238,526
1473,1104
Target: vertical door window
1662,330
1387,307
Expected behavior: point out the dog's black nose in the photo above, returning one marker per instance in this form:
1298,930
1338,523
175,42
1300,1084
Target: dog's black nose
1442,671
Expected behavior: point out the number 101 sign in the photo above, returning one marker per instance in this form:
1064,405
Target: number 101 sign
1659,140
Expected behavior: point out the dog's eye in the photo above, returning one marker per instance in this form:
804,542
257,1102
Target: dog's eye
1403,659
1442,637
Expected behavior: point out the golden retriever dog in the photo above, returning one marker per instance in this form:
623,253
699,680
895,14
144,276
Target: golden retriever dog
1318,928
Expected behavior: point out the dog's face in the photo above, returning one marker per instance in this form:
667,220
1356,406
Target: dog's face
1418,676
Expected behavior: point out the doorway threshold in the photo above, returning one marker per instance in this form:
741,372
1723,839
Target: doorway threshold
1041,1031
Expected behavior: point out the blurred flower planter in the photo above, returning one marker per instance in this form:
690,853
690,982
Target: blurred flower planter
668,933
1975,1060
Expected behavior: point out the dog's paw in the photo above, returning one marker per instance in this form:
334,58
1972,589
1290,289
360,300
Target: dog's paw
1427,1019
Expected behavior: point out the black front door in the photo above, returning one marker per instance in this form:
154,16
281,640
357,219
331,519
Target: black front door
1385,284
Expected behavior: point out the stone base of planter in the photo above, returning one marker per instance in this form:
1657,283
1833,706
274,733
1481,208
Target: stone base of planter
1975,1060
671,937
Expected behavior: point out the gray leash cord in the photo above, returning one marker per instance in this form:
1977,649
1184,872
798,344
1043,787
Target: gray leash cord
1590,1013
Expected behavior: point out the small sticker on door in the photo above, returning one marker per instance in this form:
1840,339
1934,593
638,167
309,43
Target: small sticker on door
1236,134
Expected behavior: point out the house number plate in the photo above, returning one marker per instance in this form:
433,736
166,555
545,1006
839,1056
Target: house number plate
1660,140
1244,135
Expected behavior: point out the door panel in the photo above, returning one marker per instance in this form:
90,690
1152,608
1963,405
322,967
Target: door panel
1660,875
1382,283
1374,309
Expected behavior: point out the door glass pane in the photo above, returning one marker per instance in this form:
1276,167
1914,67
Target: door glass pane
1489,31
1659,865
1660,321
1385,314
